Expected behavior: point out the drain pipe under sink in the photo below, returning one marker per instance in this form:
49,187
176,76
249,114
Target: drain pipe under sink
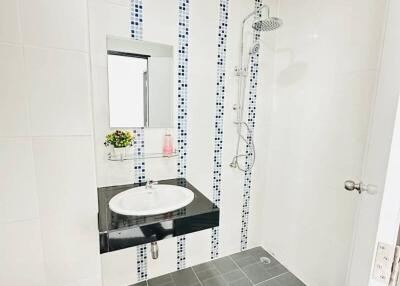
154,250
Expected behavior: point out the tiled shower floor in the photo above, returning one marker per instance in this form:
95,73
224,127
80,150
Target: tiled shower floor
239,269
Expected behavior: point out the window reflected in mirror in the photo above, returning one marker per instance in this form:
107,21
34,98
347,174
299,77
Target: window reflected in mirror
140,80
127,84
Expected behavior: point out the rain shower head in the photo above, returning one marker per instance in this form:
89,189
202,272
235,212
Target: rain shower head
268,24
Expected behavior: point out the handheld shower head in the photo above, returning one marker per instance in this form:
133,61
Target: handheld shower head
254,49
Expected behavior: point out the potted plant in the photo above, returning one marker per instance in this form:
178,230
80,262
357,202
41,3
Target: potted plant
119,141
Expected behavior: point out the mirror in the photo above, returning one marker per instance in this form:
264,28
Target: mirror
140,83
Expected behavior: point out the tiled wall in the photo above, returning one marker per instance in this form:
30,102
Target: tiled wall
160,24
310,79
48,204
327,55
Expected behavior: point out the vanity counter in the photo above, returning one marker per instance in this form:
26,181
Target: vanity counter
120,231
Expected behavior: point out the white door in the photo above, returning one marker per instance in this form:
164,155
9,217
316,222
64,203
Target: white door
377,217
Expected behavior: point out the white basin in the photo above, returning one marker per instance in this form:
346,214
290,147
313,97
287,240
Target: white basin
156,200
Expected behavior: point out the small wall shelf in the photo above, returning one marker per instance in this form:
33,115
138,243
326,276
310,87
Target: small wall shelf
131,156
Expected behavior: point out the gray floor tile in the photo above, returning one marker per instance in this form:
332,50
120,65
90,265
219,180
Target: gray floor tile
143,283
273,264
207,274
241,282
215,281
236,278
225,272
203,266
276,270
233,275
185,277
165,280
252,256
165,284
290,280
224,265
257,273
287,279
243,259
271,282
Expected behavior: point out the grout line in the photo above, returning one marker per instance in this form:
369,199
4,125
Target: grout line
195,274
22,220
259,283
57,48
44,136
240,269
112,3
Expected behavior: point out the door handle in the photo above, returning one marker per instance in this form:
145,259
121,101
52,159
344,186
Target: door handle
350,185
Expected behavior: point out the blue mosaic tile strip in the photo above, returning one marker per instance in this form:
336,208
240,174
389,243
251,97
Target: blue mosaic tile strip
251,121
219,117
183,34
138,144
136,19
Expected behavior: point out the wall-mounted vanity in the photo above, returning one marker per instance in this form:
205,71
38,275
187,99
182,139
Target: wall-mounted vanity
118,231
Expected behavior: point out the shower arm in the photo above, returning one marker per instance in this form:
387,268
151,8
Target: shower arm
241,67
242,33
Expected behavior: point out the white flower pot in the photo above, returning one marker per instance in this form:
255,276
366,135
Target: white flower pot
119,152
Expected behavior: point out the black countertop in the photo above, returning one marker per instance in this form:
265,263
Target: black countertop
120,231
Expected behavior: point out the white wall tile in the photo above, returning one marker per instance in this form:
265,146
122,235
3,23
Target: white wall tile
159,26
126,3
198,248
9,21
68,207
21,259
201,97
14,104
119,267
166,262
326,59
54,23
58,83
18,199
111,173
92,281
106,18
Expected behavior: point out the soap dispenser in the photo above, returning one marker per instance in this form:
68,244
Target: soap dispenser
167,148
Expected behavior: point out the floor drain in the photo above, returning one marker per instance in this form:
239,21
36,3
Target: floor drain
265,260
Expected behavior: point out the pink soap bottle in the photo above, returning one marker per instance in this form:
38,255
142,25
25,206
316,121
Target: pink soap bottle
168,149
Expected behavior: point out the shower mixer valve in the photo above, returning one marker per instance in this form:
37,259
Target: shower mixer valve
241,71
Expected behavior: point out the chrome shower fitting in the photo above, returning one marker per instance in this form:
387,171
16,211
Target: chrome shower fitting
254,49
260,25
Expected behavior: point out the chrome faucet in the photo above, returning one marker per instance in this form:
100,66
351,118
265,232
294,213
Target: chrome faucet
150,184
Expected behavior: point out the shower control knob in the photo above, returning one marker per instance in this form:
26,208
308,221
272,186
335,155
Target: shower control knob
360,187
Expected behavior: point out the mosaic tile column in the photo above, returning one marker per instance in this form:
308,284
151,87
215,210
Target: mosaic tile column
219,117
138,144
183,34
251,121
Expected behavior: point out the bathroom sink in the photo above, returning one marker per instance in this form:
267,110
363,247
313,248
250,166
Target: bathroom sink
157,199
